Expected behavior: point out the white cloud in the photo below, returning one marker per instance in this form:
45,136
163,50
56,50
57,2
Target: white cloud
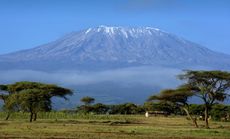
163,77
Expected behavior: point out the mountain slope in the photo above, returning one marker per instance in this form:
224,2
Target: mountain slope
115,47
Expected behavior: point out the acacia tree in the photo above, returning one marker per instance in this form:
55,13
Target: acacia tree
87,100
177,97
86,108
211,86
32,97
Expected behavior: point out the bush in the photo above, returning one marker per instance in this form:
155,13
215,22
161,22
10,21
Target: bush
219,111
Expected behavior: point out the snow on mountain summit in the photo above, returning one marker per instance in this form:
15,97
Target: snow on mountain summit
123,30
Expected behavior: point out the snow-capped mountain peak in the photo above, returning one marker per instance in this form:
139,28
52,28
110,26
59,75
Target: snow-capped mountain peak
125,31
107,47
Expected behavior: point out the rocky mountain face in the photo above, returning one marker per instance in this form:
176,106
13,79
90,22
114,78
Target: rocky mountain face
115,47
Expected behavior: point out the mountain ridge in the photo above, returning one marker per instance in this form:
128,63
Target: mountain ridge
117,47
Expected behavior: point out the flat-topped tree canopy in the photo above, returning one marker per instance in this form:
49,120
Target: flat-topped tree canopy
31,97
179,95
211,86
51,89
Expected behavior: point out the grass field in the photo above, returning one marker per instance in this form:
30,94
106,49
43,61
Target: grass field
60,125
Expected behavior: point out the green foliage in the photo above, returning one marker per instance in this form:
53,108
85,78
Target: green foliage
219,111
100,108
3,87
31,97
84,109
161,106
177,96
197,109
211,86
126,108
34,100
52,89
87,100
11,103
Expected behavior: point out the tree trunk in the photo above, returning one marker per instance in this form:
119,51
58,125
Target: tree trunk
31,117
35,116
193,119
206,116
7,116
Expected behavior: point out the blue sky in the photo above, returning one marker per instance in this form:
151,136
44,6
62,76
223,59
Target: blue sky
29,23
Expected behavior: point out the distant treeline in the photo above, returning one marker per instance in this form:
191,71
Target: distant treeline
217,112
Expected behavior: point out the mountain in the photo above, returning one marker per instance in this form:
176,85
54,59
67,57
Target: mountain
112,64
105,47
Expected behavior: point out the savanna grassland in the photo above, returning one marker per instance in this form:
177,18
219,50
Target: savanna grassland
62,125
